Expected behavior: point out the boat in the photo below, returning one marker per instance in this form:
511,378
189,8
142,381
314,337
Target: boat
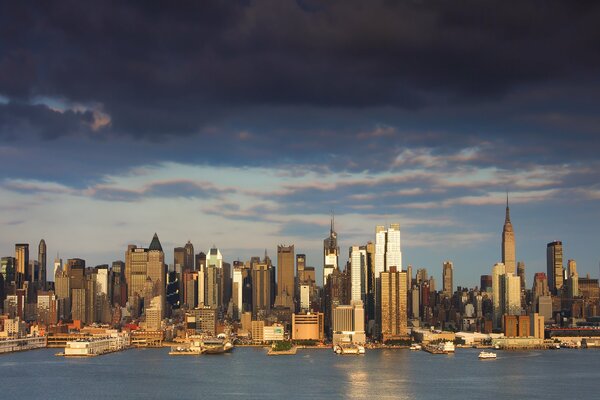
348,348
184,351
486,355
216,346
440,348
448,347
416,347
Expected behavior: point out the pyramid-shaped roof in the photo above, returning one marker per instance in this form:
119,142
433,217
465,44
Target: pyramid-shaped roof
155,244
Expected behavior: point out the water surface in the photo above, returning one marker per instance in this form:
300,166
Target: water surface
311,374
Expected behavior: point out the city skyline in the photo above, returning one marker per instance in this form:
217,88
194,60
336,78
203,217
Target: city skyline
245,125
438,275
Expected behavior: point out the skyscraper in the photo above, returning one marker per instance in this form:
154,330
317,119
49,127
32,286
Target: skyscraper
331,253
498,271
285,276
300,265
573,279
188,260
554,265
358,274
42,261
387,248
521,273
22,263
447,278
145,271
387,255
261,287
394,298
508,243
512,294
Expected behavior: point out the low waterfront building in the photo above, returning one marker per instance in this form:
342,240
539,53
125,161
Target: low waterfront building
309,326
273,333
518,343
21,344
425,335
97,346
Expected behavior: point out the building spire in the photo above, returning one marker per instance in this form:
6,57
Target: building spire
332,228
507,218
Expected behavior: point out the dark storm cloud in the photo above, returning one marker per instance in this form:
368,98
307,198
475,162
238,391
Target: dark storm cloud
345,84
19,119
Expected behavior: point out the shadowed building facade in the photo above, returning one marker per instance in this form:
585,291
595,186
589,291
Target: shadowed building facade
554,266
285,276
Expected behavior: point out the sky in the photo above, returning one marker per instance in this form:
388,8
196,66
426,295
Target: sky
245,124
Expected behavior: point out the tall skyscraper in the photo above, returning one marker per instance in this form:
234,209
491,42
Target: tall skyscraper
498,271
447,278
508,243
554,265
573,279
22,264
512,294
285,276
261,287
300,265
331,252
394,299
42,258
58,262
145,271
188,259
387,248
358,273
213,279
387,254
237,289
179,258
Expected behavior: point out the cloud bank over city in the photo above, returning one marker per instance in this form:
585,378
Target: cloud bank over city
244,124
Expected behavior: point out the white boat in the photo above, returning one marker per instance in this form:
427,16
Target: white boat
348,348
447,347
415,347
485,355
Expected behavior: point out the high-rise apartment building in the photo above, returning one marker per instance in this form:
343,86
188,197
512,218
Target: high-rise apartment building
285,276
42,260
393,300
554,266
447,278
508,243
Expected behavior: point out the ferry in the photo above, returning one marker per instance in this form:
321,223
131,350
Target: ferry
348,348
216,346
416,347
440,348
485,355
